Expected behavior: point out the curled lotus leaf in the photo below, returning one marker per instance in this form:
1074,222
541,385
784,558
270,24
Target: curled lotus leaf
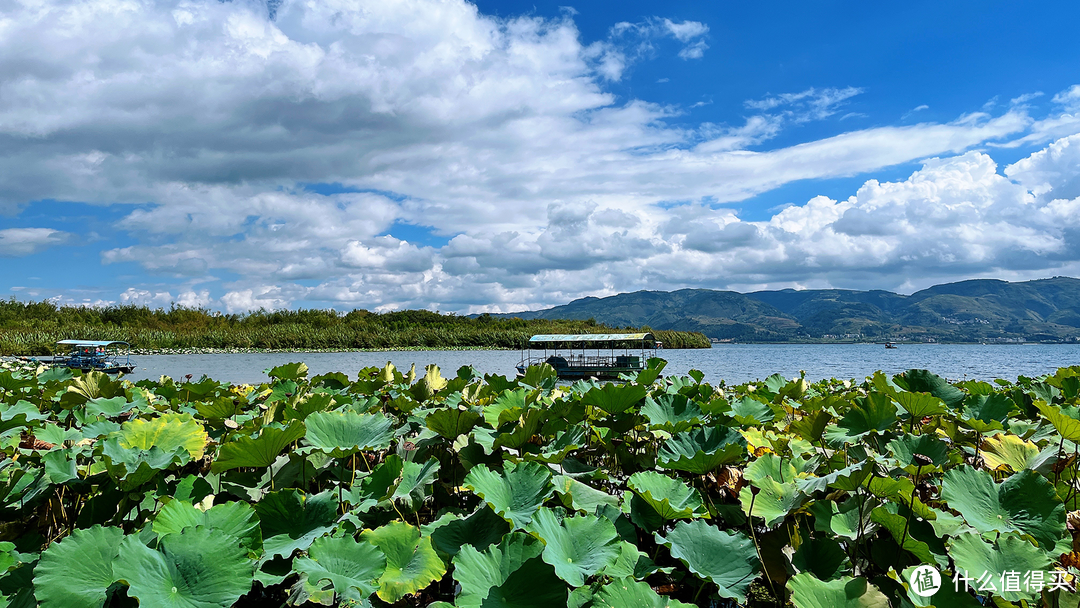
807,591
342,434
670,498
510,574
292,520
411,562
626,592
577,547
352,568
196,568
260,451
1025,502
516,493
673,413
78,570
702,450
166,432
974,558
727,559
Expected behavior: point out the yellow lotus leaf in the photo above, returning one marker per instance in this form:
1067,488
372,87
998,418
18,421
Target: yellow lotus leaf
1008,452
167,432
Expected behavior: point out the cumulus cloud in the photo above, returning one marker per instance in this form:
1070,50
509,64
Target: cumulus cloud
15,242
221,122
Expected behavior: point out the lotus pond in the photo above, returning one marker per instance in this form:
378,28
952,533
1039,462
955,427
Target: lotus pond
406,489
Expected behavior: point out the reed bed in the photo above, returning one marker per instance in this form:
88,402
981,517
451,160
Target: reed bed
33,328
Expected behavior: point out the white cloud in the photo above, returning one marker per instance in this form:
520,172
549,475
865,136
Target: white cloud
497,134
16,242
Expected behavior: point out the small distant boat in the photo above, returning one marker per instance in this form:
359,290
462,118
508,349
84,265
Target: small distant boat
890,345
600,356
95,355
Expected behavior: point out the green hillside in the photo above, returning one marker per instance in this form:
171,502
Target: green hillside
982,310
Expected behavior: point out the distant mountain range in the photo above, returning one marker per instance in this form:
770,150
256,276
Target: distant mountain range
982,310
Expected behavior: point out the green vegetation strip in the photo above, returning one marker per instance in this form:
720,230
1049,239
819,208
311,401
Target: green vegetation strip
33,328
392,489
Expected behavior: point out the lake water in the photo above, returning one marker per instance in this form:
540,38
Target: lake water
734,363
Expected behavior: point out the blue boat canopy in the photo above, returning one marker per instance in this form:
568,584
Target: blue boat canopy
90,342
546,338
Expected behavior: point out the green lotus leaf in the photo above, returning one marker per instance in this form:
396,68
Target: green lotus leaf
516,493
218,408
288,371
577,547
702,450
508,575
924,381
976,558
92,385
842,519
727,559
379,485
783,470
192,569
773,501
919,405
134,467
751,412
110,408
988,409
949,595
901,490
919,453
309,404
540,376
848,479
411,562
671,413
506,407
811,425
416,478
821,556
670,498
57,435
259,451
167,432
917,535
873,414
580,496
614,398
631,563
291,520
479,530
23,413
1011,453
352,568
237,519
558,449
807,591
60,466
1024,503
450,422
628,593
342,434
78,570
1067,426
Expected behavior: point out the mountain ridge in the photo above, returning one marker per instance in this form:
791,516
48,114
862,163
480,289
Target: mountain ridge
976,310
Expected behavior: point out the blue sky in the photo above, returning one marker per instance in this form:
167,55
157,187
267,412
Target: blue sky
499,156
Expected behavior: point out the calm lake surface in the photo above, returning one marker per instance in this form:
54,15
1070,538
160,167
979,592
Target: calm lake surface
734,363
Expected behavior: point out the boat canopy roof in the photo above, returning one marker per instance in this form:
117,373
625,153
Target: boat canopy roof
90,342
548,338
